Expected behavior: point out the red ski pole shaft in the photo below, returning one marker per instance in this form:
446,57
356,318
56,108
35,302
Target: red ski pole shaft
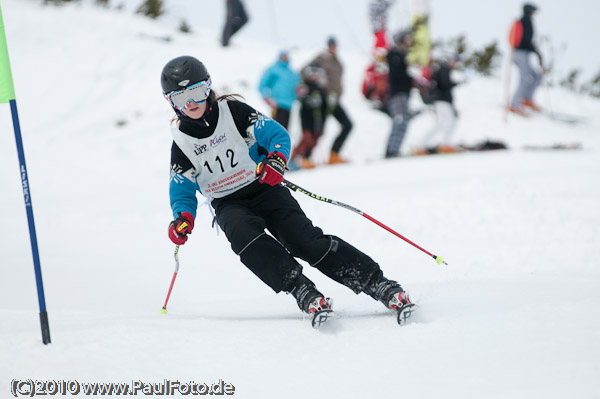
377,222
299,189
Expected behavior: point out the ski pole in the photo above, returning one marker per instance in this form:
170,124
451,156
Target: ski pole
299,189
164,310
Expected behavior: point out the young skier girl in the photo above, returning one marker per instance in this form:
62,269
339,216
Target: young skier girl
235,156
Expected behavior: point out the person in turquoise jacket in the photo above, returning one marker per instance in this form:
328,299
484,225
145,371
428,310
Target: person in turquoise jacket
278,88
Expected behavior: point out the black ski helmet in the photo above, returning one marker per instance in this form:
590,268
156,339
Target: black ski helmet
182,72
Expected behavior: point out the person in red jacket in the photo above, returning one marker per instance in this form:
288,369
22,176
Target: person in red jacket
530,77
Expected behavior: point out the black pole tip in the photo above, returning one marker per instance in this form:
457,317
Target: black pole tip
45,328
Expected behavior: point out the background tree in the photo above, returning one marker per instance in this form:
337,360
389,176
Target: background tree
484,61
570,82
151,8
184,27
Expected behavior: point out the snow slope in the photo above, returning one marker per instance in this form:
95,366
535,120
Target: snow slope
514,315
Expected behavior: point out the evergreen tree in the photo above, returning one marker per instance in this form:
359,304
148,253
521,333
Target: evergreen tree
484,61
184,27
594,86
570,82
151,8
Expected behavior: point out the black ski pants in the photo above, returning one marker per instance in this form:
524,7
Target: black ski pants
282,116
339,114
244,216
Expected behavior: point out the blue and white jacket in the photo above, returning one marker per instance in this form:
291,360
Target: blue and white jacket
279,82
218,154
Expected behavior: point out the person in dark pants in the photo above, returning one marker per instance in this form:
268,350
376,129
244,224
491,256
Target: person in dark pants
236,156
235,19
329,61
400,85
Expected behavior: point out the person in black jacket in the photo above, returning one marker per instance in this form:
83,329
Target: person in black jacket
443,105
530,78
400,85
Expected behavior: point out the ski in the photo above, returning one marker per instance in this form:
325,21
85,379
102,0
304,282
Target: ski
319,318
553,115
554,147
404,313
563,118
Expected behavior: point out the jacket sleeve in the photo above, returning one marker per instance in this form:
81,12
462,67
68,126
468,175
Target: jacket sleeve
182,184
270,135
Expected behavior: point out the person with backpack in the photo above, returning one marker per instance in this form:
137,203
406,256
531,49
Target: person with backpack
236,158
375,85
278,86
522,34
401,83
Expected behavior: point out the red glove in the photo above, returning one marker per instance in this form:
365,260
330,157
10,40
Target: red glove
271,169
181,227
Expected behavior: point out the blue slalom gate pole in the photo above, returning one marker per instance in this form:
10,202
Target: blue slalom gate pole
7,95
32,235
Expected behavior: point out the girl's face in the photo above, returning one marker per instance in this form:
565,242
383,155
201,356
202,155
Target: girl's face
195,111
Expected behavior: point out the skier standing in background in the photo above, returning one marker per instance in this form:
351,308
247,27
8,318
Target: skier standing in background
236,157
400,85
443,105
278,86
330,62
313,110
235,18
530,78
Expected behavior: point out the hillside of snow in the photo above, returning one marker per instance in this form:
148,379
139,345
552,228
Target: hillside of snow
515,314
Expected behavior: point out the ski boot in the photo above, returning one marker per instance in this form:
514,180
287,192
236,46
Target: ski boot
393,297
401,304
320,309
311,301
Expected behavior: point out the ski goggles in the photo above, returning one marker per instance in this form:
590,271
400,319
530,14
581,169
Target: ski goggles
196,93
